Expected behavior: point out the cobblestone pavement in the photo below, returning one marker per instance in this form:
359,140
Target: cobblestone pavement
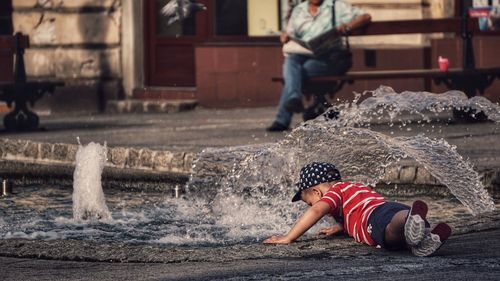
185,131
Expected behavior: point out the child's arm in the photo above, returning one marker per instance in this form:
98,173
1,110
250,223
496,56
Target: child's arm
306,221
330,231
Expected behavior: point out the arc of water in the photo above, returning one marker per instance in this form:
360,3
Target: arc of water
361,154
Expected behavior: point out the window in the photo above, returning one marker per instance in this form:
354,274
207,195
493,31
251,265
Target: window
227,19
251,18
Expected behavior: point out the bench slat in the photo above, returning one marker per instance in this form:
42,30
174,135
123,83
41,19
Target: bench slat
419,26
411,73
398,74
410,26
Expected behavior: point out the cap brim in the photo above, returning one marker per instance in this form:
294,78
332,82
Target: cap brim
297,196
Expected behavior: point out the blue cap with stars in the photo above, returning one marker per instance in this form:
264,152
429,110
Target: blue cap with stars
314,174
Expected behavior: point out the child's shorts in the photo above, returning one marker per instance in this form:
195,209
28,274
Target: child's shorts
380,218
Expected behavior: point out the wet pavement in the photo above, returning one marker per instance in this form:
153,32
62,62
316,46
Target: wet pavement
461,259
185,131
473,252
472,256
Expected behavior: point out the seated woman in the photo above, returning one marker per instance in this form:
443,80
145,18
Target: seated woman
308,20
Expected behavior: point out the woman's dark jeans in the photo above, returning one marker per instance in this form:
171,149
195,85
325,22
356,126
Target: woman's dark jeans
297,68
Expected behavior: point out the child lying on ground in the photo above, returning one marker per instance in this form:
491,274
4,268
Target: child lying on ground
366,216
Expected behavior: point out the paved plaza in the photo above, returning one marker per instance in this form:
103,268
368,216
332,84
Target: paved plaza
472,253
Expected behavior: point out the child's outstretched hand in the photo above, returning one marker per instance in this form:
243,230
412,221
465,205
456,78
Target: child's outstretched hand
277,240
330,231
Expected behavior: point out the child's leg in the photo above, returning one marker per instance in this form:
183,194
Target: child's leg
395,230
386,225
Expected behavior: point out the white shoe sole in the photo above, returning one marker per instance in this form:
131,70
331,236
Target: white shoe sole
414,230
427,246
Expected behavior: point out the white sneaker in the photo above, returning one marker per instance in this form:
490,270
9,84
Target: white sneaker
415,223
432,241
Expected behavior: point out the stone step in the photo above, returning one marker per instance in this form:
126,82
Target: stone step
150,106
24,159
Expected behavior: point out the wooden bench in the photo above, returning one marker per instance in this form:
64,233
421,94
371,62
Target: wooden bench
468,79
17,91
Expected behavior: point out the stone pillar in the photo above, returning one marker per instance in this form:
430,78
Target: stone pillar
77,41
132,46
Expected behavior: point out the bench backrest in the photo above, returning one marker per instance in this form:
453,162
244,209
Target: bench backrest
461,26
415,26
458,24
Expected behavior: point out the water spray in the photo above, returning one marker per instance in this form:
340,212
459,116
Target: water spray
88,197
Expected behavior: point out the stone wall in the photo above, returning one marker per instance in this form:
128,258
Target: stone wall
95,46
77,41
127,158
41,160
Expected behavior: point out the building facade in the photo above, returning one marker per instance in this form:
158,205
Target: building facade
110,51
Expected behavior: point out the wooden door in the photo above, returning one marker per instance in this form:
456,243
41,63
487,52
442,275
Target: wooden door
6,52
5,17
170,60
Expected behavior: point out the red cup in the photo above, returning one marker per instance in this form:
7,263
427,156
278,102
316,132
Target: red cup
443,64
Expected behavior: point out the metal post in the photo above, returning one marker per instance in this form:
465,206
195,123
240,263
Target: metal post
6,188
176,191
468,51
19,68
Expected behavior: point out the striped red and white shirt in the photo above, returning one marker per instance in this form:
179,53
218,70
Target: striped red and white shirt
354,202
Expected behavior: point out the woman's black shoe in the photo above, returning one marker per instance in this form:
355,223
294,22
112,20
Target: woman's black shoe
276,127
311,113
294,105
319,107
